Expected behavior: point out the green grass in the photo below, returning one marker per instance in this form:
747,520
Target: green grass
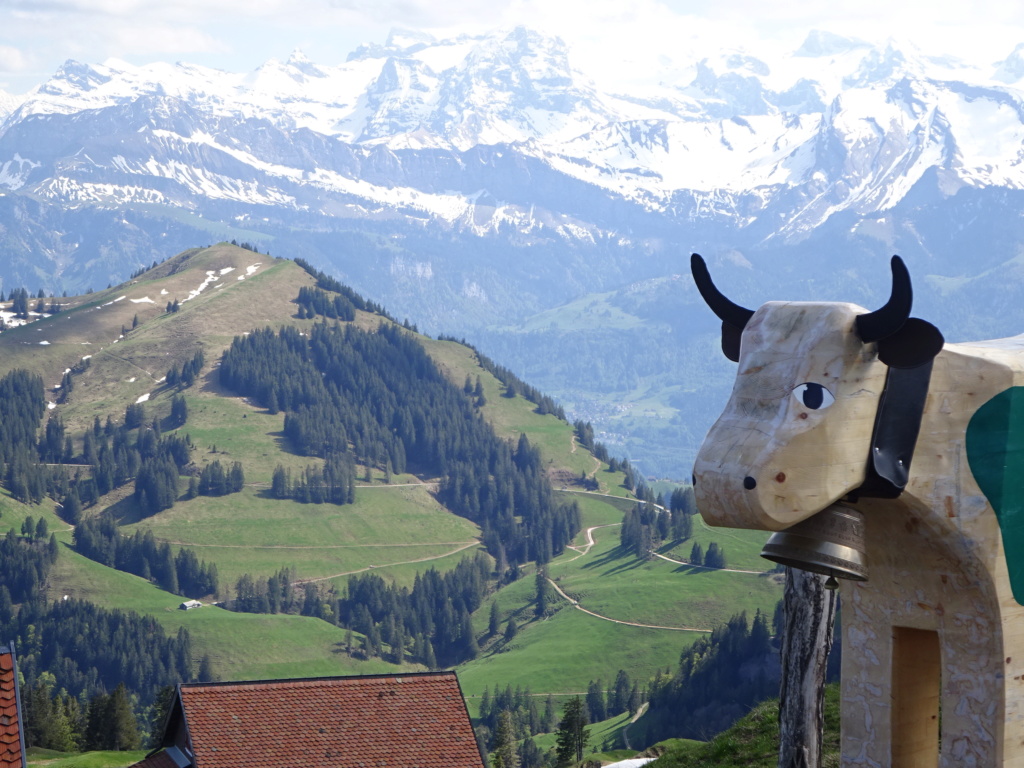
247,532
404,575
239,432
564,652
596,510
242,646
753,742
609,580
604,732
13,514
92,323
386,528
742,547
38,758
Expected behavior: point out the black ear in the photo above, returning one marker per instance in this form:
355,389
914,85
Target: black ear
731,341
916,343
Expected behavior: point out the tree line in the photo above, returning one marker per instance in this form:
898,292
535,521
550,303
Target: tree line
327,283
719,679
54,719
511,716
316,301
428,624
100,539
512,383
88,673
625,695
332,483
30,459
25,563
647,526
379,397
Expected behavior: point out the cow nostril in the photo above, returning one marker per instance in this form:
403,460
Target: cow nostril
749,483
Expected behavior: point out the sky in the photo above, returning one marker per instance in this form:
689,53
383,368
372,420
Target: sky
37,36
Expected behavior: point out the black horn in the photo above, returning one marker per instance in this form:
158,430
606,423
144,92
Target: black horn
890,318
727,311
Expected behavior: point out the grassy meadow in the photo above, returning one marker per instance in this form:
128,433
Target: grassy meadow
395,530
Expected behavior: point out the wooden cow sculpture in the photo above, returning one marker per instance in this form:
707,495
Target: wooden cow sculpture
834,403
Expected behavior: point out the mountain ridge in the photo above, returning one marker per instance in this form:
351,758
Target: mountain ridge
485,180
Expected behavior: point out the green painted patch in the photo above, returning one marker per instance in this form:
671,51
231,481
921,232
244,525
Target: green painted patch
995,452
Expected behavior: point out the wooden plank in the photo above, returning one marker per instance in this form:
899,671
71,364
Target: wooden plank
916,683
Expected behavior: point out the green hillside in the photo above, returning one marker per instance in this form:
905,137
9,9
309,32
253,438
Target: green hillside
753,742
608,610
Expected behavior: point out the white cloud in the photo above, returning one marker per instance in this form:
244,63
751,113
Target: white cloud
38,35
12,59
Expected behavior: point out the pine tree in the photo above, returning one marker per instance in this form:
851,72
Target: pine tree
494,621
511,629
430,662
572,734
472,649
696,554
179,410
158,715
596,706
619,700
633,701
279,485
123,729
6,604
530,755
206,673
542,588
547,721
505,741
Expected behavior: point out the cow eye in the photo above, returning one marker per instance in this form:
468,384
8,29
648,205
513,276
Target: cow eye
813,396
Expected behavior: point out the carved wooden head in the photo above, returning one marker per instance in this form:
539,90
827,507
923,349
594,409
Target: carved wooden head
796,433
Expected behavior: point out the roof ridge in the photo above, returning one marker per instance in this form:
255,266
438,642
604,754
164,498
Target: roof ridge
399,676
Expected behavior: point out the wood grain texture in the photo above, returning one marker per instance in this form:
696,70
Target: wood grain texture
936,555
806,642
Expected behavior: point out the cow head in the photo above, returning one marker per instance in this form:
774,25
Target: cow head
796,434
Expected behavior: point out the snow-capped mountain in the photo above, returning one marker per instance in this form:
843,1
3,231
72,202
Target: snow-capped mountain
838,125
476,181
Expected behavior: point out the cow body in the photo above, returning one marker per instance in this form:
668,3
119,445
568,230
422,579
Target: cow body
795,438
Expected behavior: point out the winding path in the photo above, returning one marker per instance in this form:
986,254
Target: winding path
590,542
387,565
704,567
579,607
319,546
585,549
625,730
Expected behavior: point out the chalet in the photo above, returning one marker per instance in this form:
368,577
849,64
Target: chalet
370,721
12,735
188,605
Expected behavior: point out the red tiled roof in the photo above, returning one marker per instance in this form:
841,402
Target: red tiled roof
10,721
160,760
386,721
